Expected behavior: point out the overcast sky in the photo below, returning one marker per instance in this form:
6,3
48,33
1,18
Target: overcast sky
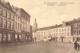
49,12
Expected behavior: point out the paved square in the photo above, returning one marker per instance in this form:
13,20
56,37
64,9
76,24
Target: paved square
40,47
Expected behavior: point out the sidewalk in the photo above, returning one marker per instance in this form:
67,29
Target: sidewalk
11,44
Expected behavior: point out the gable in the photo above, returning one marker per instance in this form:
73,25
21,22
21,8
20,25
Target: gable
6,4
9,6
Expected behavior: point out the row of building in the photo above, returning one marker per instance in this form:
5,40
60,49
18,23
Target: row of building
65,32
14,24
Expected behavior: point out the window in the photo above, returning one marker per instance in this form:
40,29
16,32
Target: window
12,25
56,30
67,34
4,23
59,30
56,34
62,33
15,17
74,32
4,36
0,36
1,11
8,15
79,26
18,27
4,13
1,22
59,33
12,17
65,29
75,25
62,29
79,31
8,24
68,29
15,25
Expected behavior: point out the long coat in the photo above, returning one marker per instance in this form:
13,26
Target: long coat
75,45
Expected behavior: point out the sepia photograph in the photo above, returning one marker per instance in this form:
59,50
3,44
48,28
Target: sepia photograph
39,26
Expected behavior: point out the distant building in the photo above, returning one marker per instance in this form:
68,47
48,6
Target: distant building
56,33
65,32
75,29
61,33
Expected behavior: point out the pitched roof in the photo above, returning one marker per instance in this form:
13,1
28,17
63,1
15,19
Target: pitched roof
50,27
6,4
15,9
73,21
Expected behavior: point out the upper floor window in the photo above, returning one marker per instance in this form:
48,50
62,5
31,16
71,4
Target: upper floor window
56,30
1,11
8,24
68,29
15,18
68,34
79,31
75,25
5,23
9,15
1,22
65,29
79,25
12,25
12,17
4,13
74,32
59,30
62,29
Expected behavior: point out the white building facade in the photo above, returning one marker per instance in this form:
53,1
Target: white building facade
61,34
54,33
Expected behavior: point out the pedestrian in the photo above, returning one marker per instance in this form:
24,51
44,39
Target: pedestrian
78,46
75,45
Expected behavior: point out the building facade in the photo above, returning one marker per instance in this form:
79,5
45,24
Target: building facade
57,33
6,22
61,33
75,29
14,27
24,22
65,32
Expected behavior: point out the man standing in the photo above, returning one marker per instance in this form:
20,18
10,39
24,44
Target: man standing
78,46
75,45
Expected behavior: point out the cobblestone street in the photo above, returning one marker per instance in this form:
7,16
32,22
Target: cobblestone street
39,47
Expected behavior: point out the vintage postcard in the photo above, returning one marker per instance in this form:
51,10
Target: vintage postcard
39,26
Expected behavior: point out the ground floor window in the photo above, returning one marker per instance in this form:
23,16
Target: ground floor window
4,36
26,37
0,37
9,37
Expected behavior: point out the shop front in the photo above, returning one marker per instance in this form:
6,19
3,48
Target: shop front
18,37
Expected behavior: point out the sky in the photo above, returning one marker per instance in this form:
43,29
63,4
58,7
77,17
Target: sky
49,12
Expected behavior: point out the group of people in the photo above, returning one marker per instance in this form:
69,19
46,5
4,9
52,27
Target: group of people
77,45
